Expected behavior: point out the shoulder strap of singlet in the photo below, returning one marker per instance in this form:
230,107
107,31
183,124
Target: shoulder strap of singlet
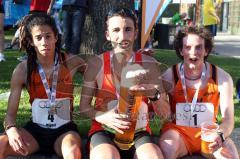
138,58
175,75
107,64
214,73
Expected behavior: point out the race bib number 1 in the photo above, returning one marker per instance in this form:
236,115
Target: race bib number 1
201,112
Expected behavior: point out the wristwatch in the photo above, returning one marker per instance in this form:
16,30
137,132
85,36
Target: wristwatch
7,126
156,96
220,133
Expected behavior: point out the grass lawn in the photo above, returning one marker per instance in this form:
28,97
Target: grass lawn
167,57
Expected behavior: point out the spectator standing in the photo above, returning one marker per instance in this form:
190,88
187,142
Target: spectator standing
39,6
218,4
2,58
15,39
55,11
210,17
178,19
73,14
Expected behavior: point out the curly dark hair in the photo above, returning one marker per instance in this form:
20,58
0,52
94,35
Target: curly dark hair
123,12
28,22
200,31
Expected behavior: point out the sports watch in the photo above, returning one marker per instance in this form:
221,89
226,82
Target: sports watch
7,126
220,133
156,96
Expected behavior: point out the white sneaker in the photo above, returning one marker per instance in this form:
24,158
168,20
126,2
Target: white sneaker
2,58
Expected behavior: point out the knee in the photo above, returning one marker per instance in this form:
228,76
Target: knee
73,152
3,145
104,156
170,143
98,153
230,147
148,151
151,156
101,156
76,151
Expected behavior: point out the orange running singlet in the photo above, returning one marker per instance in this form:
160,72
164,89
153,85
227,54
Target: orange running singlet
208,94
108,90
64,86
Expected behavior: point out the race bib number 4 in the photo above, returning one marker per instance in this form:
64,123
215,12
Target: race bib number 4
51,116
193,117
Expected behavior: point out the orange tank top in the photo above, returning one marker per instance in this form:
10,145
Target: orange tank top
108,90
64,85
208,94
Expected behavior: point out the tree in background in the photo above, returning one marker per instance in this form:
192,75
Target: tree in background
93,40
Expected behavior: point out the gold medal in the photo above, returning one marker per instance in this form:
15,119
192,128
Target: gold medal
52,110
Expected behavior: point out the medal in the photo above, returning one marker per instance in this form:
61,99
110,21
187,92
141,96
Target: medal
52,110
51,93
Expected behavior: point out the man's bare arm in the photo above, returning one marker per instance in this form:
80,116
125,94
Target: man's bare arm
226,102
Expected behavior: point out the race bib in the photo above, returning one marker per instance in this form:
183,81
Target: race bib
51,117
201,112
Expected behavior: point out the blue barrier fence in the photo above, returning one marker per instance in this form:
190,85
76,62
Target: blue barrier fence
14,12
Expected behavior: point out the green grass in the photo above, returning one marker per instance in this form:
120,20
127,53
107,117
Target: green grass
166,57
9,33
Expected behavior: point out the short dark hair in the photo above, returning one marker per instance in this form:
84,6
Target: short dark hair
200,31
123,12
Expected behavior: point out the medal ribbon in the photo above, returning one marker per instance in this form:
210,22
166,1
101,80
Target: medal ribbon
51,93
194,100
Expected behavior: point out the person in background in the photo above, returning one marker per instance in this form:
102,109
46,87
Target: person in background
2,58
55,10
178,19
73,14
197,82
210,17
15,39
39,6
218,5
47,74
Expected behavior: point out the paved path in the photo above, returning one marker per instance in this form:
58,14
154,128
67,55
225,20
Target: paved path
227,45
235,136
